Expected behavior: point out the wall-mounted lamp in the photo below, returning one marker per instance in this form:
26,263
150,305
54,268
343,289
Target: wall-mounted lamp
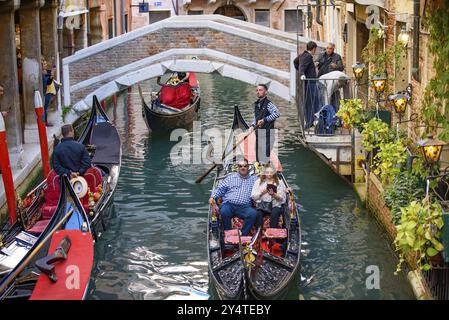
404,36
359,70
379,82
431,149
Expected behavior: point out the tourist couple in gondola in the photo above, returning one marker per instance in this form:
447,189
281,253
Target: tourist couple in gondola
250,197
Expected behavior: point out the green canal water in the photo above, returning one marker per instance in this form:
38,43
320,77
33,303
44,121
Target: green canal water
155,244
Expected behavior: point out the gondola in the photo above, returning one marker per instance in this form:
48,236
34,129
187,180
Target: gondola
39,207
263,265
161,117
31,277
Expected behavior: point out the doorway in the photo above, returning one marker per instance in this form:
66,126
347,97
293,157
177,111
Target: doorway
231,11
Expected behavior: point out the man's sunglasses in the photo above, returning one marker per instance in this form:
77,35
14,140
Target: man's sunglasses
243,165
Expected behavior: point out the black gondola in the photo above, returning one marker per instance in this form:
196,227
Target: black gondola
36,211
255,269
161,117
70,215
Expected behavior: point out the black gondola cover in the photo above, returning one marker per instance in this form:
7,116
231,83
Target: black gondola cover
107,141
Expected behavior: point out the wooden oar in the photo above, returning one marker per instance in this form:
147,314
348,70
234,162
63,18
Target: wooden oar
199,179
12,276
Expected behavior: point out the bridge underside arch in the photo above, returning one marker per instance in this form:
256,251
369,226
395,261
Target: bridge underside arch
160,68
108,84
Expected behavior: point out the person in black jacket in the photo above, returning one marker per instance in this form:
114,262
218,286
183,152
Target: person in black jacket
329,61
305,65
70,157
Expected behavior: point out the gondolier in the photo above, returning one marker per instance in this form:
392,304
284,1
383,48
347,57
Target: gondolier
265,114
70,157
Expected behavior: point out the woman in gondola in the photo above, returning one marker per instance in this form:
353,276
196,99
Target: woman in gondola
269,196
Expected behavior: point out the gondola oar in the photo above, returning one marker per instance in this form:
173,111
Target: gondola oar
199,179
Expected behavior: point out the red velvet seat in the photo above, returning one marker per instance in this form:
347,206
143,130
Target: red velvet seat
94,179
51,195
276,233
232,237
176,96
39,227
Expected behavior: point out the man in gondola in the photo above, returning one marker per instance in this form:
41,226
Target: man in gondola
70,157
235,191
265,114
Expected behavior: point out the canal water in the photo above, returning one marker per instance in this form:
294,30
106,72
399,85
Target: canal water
155,245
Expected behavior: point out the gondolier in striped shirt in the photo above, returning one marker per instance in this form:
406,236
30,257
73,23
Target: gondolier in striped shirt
265,114
235,191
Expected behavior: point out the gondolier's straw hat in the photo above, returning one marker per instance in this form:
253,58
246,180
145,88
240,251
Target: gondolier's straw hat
79,185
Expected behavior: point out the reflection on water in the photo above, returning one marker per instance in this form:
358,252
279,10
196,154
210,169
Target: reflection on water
155,246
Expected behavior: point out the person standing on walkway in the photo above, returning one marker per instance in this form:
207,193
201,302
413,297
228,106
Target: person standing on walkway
329,61
305,65
265,114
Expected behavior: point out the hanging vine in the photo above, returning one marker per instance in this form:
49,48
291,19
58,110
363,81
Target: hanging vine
436,95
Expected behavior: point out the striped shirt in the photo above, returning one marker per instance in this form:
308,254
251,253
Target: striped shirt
235,189
273,114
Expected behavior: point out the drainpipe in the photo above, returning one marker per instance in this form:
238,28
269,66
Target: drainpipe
61,48
89,40
115,18
123,16
416,29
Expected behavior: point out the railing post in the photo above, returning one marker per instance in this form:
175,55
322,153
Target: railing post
5,165
39,109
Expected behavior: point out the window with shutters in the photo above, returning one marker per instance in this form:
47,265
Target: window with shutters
294,21
262,17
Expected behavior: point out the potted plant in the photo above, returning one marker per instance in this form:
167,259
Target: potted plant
350,112
419,232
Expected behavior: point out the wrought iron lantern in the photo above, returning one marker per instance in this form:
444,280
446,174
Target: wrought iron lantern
359,70
379,83
431,149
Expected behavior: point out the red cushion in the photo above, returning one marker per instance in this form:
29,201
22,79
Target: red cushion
48,211
51,192
39,227
276,233
231,237
93,178
176,96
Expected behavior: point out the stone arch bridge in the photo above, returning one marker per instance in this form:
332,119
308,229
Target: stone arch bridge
209,43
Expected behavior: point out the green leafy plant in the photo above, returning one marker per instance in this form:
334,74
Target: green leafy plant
419,232
404,189
436,95
350,112
389,160
65,111
374,133
379,59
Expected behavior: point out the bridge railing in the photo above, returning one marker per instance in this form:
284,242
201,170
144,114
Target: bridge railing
315,98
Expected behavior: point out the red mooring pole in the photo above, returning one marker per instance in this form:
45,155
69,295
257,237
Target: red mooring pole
5,165
39,109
